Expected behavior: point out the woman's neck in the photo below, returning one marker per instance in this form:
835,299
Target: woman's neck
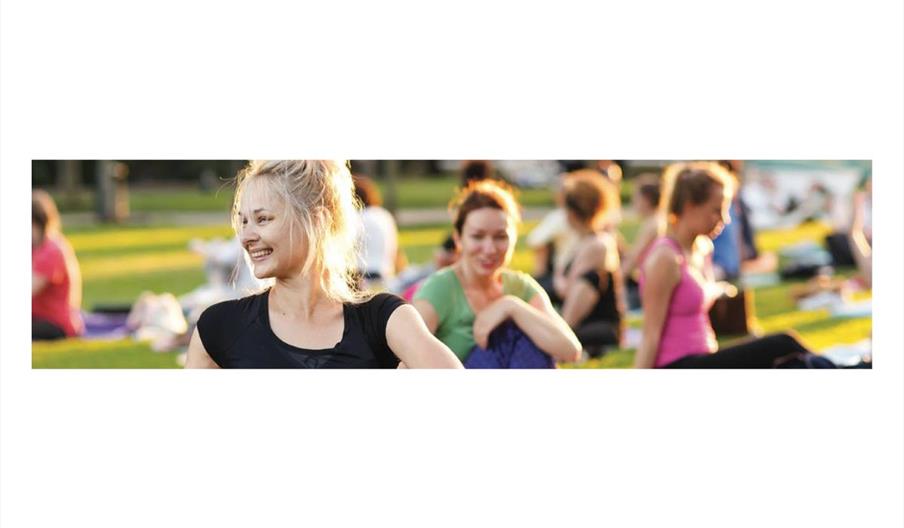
684,236
471,279
299,296
584,230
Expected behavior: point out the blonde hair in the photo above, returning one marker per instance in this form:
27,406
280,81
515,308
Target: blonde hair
692,182
320,201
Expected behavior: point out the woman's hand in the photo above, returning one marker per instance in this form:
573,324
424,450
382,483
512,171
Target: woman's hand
727,289
489,318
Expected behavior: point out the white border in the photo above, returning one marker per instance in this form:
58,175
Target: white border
653,79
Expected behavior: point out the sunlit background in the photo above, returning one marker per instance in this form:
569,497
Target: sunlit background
131,224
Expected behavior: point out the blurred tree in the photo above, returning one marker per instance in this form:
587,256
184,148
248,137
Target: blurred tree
112,192
391,196
69,181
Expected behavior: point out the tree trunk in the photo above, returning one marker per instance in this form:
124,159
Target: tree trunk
69,182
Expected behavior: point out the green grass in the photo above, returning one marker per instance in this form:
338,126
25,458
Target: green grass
412,193
82,353
416,193
119,262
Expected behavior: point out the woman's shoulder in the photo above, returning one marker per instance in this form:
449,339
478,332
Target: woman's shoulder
374,313
49,248
662,254
515,280
222,324
439,290
378,301
516,275
444,277
227,311
594,248
652,226
602,242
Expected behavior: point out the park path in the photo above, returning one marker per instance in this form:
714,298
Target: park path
404,217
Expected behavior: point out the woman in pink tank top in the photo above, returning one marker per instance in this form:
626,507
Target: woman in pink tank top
677,285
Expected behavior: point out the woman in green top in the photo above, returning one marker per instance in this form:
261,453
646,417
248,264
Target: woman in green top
464,303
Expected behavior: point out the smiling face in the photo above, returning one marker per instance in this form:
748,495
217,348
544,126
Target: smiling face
710,217
487,240
264,230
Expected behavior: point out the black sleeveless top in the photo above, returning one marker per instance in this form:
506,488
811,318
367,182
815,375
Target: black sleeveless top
237,334
609,307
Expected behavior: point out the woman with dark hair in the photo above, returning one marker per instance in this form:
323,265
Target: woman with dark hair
56,279
647,191
489,315
476,170
590,284
678,288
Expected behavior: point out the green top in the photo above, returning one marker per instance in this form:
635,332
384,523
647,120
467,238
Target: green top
444,292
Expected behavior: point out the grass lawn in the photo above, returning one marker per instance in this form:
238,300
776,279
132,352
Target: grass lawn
412,193
118,263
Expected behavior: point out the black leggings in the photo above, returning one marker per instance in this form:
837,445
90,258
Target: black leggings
44,330
761,353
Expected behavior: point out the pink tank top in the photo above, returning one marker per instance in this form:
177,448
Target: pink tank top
687,330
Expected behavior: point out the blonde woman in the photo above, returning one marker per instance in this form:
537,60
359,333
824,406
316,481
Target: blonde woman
295,219
678,286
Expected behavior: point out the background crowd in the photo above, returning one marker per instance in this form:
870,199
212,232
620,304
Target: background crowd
681,274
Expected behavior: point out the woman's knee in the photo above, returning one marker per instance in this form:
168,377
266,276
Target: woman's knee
786,341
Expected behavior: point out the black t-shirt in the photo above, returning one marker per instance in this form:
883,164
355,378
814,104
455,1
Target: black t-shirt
237,334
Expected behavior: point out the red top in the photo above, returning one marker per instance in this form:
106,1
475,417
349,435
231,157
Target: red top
52,303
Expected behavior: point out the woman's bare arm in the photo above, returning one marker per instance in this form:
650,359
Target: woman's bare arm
645,237
537,318
197,356
415,345
662,274
580,296
38,283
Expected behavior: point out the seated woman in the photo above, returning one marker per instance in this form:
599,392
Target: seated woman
56,280
590,285
295,221
491,316
645,203
552,242
677,285
861,233
380,253
446,253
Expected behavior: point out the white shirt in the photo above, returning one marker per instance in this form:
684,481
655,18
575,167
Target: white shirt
380,242
554,228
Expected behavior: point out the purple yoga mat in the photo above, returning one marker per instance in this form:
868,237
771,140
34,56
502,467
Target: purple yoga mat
105,325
